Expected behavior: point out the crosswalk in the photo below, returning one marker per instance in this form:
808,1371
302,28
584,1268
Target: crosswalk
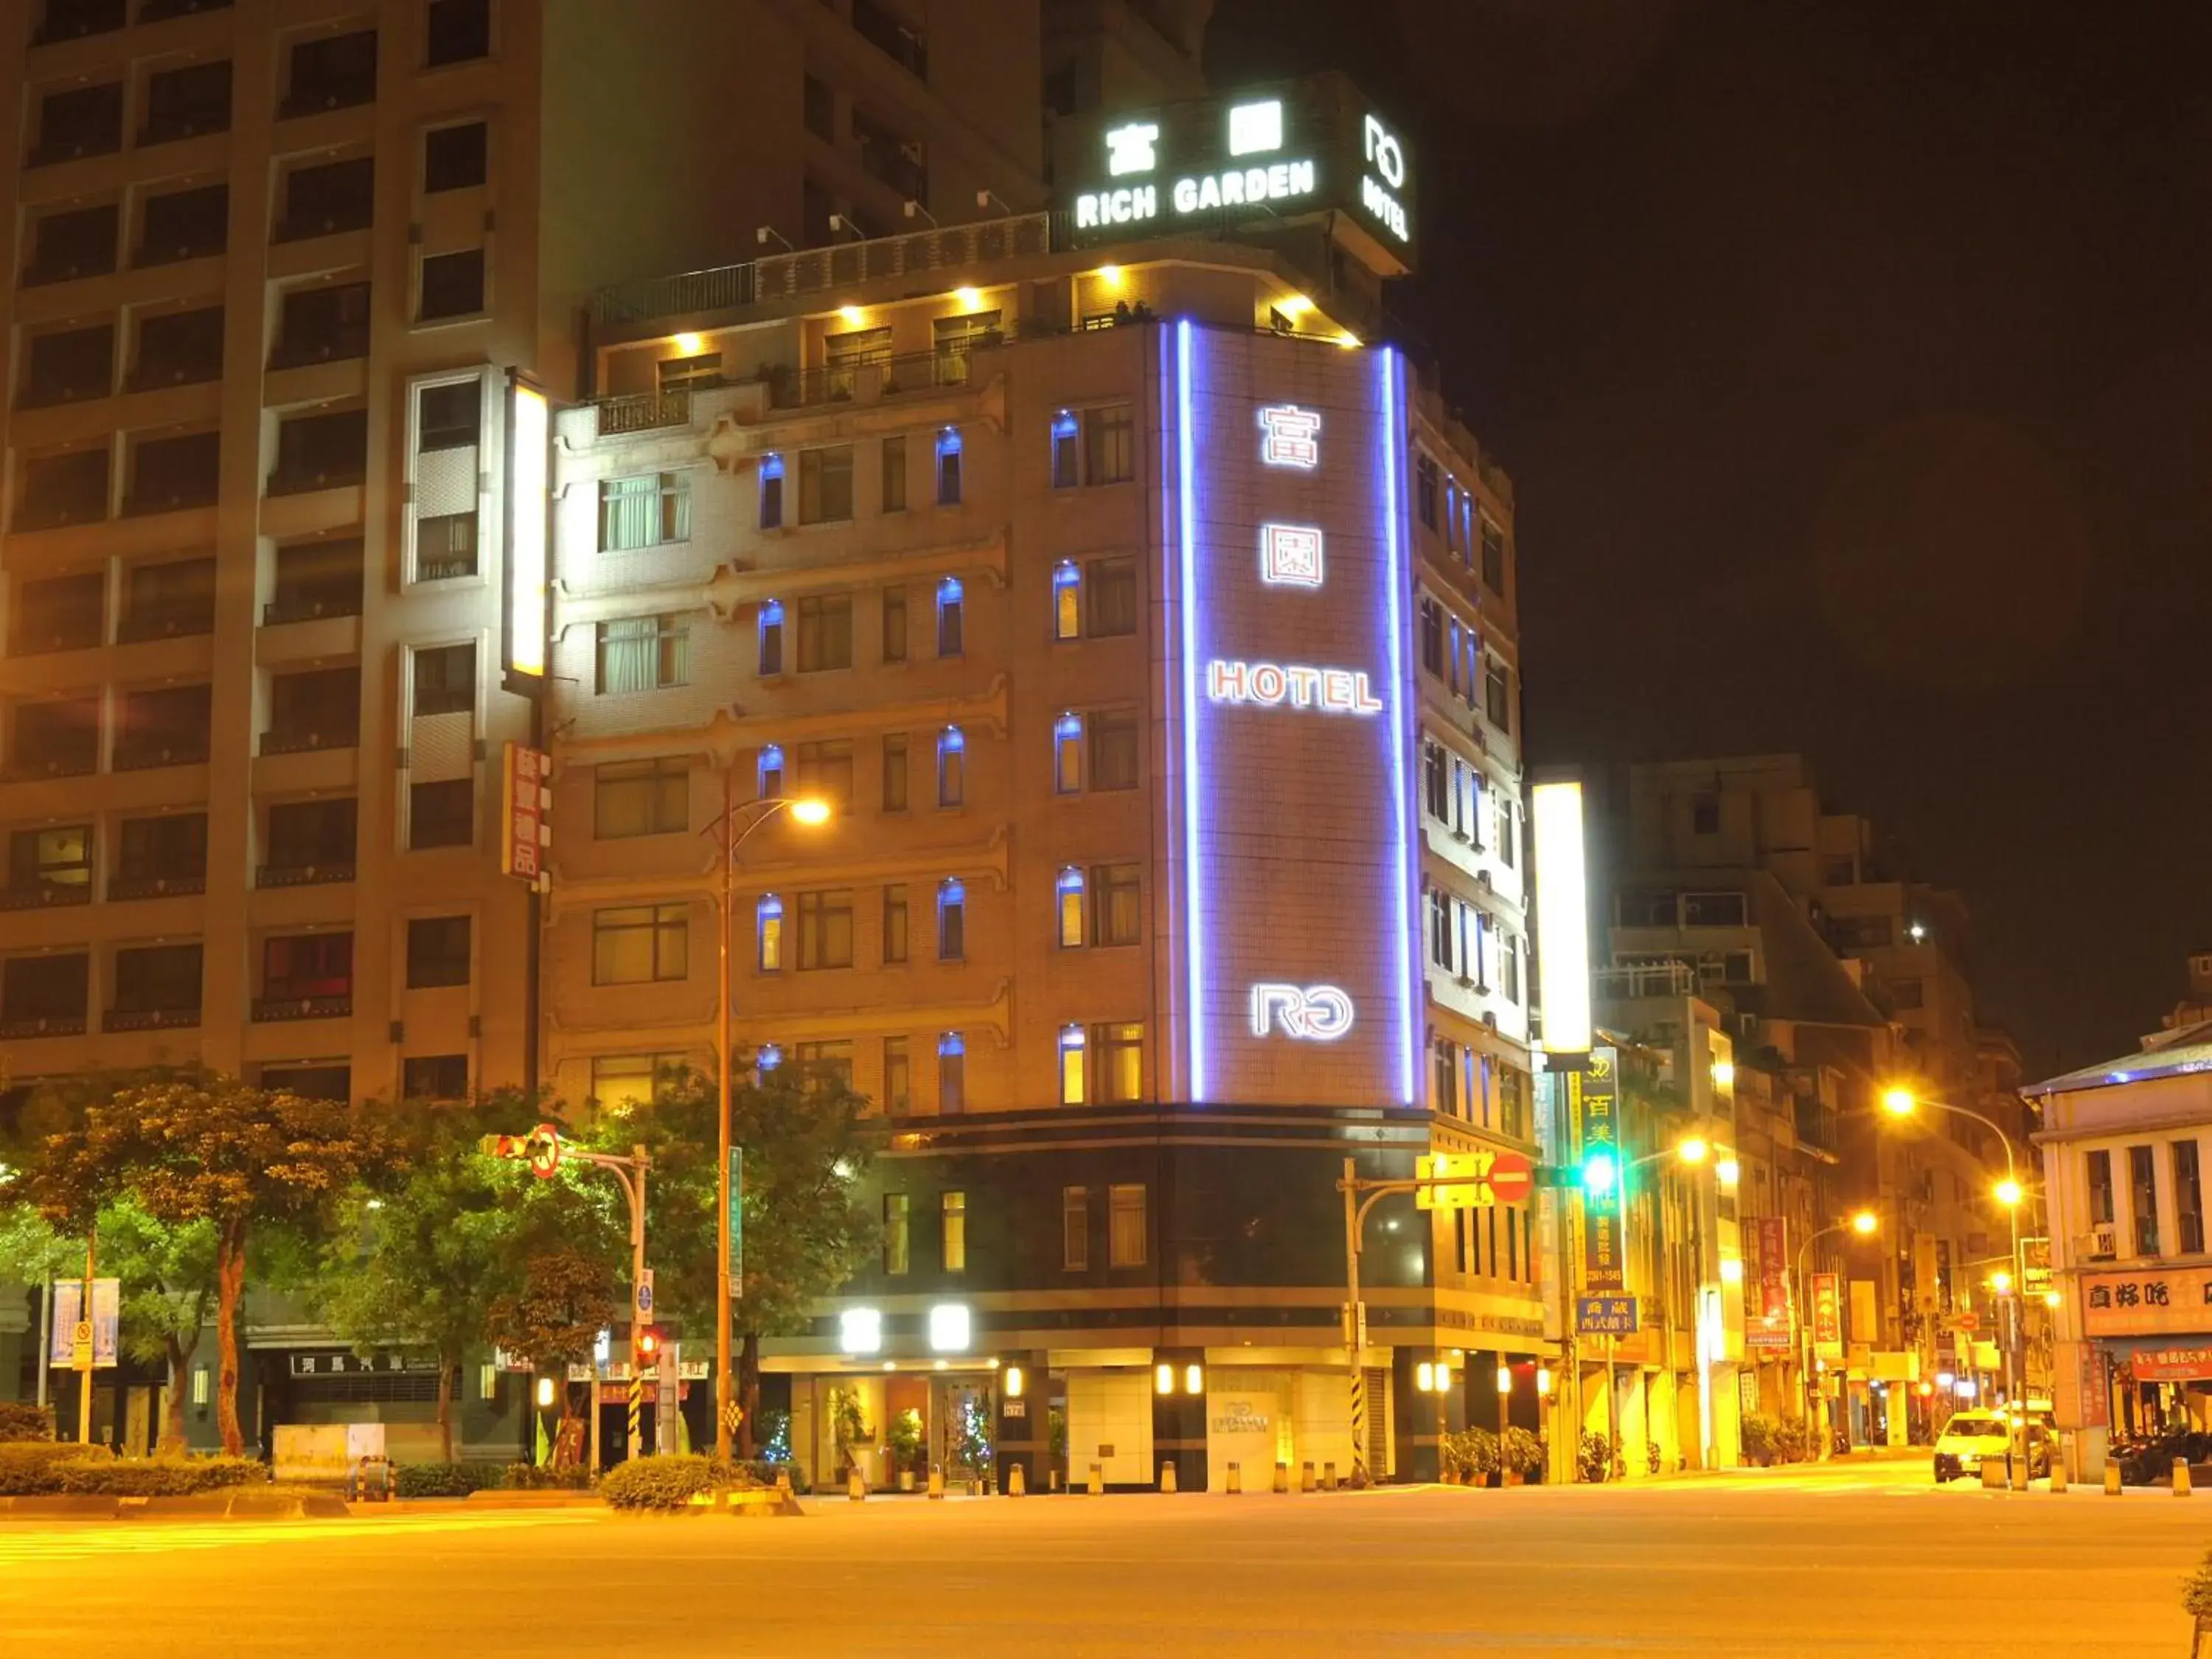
28,1544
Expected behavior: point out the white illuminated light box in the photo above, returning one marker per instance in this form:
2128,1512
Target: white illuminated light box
949,1327
860,1330
528,462
1313,1013
1563,965
1254,128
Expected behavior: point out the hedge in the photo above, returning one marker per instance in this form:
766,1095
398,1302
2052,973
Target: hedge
445,1480
27,1467
532,1477
157,1477
20,1421
669,1483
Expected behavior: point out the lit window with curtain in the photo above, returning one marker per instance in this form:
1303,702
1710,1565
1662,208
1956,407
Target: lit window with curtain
952,630
769,772
1067,755
771,492
952,1072
637,513
951,767
1070,1065
1109,445
771,637
952,1208
1128,1235
768,921
1117,1062
642,653
948,467
1066,601
1066,451
951,920
1070,906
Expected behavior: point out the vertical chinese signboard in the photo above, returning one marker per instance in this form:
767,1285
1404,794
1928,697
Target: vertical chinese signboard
526,793
1827,1316
1291,749
1766,1319
1593,1095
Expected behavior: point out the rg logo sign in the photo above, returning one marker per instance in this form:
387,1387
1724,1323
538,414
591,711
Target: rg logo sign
1310,1013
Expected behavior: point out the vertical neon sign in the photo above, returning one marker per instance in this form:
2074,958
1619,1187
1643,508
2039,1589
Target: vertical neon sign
1186,546
1397,729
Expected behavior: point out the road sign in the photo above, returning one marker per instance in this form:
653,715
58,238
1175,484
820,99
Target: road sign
1605,1316
543,1149
1480,1180
645,1294
68,1318
81,1346
1512,1177
737,1221
2035,1266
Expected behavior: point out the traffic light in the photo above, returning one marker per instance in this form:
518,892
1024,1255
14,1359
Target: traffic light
648,1343
1600,1174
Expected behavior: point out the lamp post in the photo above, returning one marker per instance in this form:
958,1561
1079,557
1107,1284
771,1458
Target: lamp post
812,811
1864,1223
1901,1102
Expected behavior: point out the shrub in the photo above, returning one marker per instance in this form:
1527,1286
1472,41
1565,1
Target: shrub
1762,1435
1793,1440
27,1468
444,1480
532,1477
156,1476
21,1420
1471,1453
2197,1592
1520,1452
764,1470
670,1483
1593,1458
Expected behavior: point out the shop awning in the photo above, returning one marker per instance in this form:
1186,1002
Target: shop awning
2152,1361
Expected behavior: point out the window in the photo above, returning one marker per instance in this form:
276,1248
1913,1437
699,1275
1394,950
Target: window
948,468
1070,906
315,708
331,71
825,632
635,513
1114,752
79,121
895,773
2188,1199
642,654
1067,455
825,929
2098,1168
771,492
1444,1088
1117,909
50,862
951,767
951,921
327,197
768,773
1508,967
1071,1065
1497,696
1513,1103
167,473
449,415
437,952
1705,814
304,967
895,926
316,578
1108,445
858,357
955,339
45,993
1424,490
1075,1228
455,157
1112,597
1128,1236
1067,754
620,1080
641,797
457,31
824,769
76,242
324,324
896,1242
435,1077
950,631
1067,602
441,814
1118,1058
61,613
640,943
899,1076
168,849
700,372
825,485
309,840
1435,783
158,979
60,490
67,364
1432,636
445,679
817,107
952,1072
767,932
825,1065
952,1208
1493,558
2142,1200
894,465
1442,938
313,452
1508,823
452,285
771,638
895,625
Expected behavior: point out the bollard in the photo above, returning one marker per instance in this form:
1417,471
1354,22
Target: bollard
1993,1475
1282,1476
1305,1477
1055,1479
2111,1479
1328,1477
856,1483
783,1480
2057,1472
2181,1476
1166,1475
2020,1472
1098,1478
1236,1480
1017,1483
936,1480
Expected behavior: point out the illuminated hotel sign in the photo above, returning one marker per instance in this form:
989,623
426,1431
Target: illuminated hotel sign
1311,146
1296,978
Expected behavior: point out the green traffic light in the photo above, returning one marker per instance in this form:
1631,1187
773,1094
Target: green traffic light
1600,1174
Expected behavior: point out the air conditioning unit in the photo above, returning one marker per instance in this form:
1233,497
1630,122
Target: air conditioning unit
2101,1240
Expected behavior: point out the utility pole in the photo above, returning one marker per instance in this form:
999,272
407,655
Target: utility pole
85,1338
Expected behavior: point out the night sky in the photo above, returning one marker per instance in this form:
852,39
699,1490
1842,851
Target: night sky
1854,366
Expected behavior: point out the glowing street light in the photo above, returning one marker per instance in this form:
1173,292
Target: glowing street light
810,811
2009,1191
1864,1223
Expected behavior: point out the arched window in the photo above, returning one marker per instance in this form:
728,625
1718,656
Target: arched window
771,492
951,629
1070,1065
951,921
951,767
770,772
1071,905
1067,755
771,637
948,467
768,921
1066,601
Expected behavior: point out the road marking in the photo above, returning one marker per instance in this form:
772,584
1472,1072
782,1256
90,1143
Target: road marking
84,1539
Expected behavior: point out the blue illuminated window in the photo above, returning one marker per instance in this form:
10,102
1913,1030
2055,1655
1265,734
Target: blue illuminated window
770,1056
1066,601
951,767
952,1042
952,1072
771,492
1070,919
770,777
951,628
1067,755
948,467
771,637
1066,451
1070,1065
768,920
951,921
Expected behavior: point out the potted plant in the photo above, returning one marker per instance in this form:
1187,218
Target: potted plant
903,1439
1761,1437
2196,1602
1521,1454
850,1426
1594,1458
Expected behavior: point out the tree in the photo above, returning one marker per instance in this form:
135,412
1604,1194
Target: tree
206,1147
554,1319
168,1284
804,1146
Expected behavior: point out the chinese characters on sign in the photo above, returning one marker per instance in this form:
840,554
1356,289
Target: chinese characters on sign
2148,1302
1289,556
1293,437
1827,1317
1605,1316
1592,1096
1766,1318
526,798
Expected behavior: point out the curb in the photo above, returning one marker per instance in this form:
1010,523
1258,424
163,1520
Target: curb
243,1505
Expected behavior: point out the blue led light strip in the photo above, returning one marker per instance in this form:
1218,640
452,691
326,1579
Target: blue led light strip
1395,729
1193,882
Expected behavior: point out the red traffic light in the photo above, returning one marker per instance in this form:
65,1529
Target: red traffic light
648,1342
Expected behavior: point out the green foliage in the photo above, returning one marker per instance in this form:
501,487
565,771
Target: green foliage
1521,1452
1760,1433
21,1421
1593,1458
532,1477
27,1467
849,1424
551,1322
903,1436
2197,1592
971,1437
32,1251
773,1435
1471,1453
670,1483
1793,1440
444,1480
156,1476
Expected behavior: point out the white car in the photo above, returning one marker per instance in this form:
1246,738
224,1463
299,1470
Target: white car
1971,1438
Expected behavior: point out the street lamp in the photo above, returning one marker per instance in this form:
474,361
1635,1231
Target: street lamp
813,811
1863,1223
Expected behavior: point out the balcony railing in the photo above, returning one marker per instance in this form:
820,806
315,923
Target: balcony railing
303,875
42,1025
884,377
46,896
142,754
138,627
307,607
267,1010
301,480
295,743
821,270
150,1020
28,768
160,886
644,411
335,346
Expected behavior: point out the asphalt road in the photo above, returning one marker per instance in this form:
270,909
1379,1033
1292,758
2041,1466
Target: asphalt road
1859,1563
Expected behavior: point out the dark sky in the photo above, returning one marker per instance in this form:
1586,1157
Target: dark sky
1854,365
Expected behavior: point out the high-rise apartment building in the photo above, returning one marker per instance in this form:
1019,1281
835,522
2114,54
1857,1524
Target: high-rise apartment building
1153,639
